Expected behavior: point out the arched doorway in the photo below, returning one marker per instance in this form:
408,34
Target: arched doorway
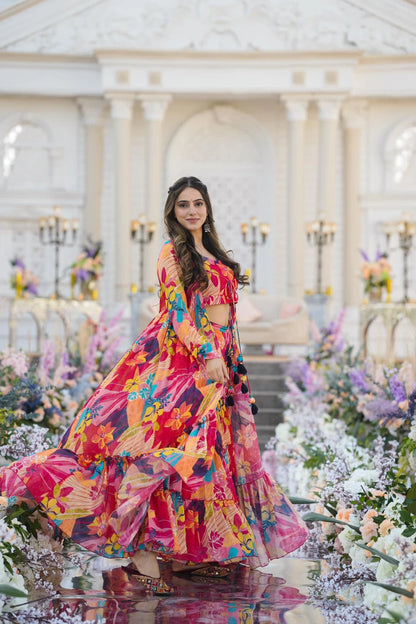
231,152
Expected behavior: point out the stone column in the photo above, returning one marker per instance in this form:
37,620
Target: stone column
121,114
328,112
296,113
154,108
352,123
92,112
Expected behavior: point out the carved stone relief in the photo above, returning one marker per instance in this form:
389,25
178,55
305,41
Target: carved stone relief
222,25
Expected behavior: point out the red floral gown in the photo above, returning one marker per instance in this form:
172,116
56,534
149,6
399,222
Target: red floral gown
160,458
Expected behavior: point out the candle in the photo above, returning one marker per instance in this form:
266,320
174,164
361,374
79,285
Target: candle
75,224
142,219
94,294
51,222
65,225
134,226
57,211
42,223
254,222
151,227
244,228
264,229
133,289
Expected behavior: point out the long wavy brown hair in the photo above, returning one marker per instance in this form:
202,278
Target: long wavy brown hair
190,261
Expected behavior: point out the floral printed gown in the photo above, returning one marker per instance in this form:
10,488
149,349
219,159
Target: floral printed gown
159,458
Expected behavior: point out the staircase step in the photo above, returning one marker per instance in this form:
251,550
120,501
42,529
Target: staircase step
267,383
267,366
270,400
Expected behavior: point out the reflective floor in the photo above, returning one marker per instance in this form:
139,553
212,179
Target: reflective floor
276,594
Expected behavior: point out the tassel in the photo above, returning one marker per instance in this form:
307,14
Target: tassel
241,369
229,361
236,378
230,400
244,388
254,409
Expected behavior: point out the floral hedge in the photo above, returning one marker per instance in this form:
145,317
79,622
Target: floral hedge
346,452
39,397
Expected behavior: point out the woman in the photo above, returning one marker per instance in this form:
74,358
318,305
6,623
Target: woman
163,458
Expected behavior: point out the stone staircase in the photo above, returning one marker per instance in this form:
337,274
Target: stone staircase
266,375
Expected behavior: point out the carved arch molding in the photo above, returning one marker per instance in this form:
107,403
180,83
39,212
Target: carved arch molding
232,154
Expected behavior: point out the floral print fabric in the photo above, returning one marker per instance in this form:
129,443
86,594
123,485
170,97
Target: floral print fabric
157,459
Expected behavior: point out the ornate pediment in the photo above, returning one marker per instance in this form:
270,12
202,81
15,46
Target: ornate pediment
377,26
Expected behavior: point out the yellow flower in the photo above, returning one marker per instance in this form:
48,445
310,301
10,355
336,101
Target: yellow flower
132,384
112,545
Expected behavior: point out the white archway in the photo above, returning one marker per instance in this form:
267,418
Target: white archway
231,153
400,156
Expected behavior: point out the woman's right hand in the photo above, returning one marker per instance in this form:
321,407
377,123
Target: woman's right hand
217,370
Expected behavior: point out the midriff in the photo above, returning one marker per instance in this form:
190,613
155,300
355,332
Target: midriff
218,313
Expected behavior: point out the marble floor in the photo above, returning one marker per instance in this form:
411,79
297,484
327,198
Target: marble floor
274,595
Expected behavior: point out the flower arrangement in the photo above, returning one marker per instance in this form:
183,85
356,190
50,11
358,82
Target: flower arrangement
376,274
87,270
346,452
22,280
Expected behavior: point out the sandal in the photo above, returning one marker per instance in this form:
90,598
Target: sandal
209,571
156,586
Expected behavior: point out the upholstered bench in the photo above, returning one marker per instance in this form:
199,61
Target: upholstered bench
268,319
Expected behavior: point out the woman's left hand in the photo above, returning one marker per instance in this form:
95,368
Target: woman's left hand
217,370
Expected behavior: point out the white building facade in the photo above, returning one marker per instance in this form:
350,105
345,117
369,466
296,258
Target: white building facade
285,109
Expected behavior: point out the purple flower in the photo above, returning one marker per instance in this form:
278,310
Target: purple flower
412,403
381,409
397,389
18,264
82,275
357,377
31,287
297,370
364,256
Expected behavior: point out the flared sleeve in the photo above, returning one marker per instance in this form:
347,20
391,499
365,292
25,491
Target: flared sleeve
199,342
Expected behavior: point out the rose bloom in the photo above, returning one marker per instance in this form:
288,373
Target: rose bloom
385,527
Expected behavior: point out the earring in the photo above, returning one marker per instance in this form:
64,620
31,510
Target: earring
207,227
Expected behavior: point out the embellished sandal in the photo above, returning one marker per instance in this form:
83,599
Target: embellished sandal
212,571
156,586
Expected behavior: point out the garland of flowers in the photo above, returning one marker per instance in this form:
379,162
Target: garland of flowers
346,452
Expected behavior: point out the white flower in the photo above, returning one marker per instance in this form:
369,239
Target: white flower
360,477
347,537
385,571
375,596
412,432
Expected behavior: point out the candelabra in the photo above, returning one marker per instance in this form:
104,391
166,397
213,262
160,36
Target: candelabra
264,229
54,230
320,233
142,232
406,231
